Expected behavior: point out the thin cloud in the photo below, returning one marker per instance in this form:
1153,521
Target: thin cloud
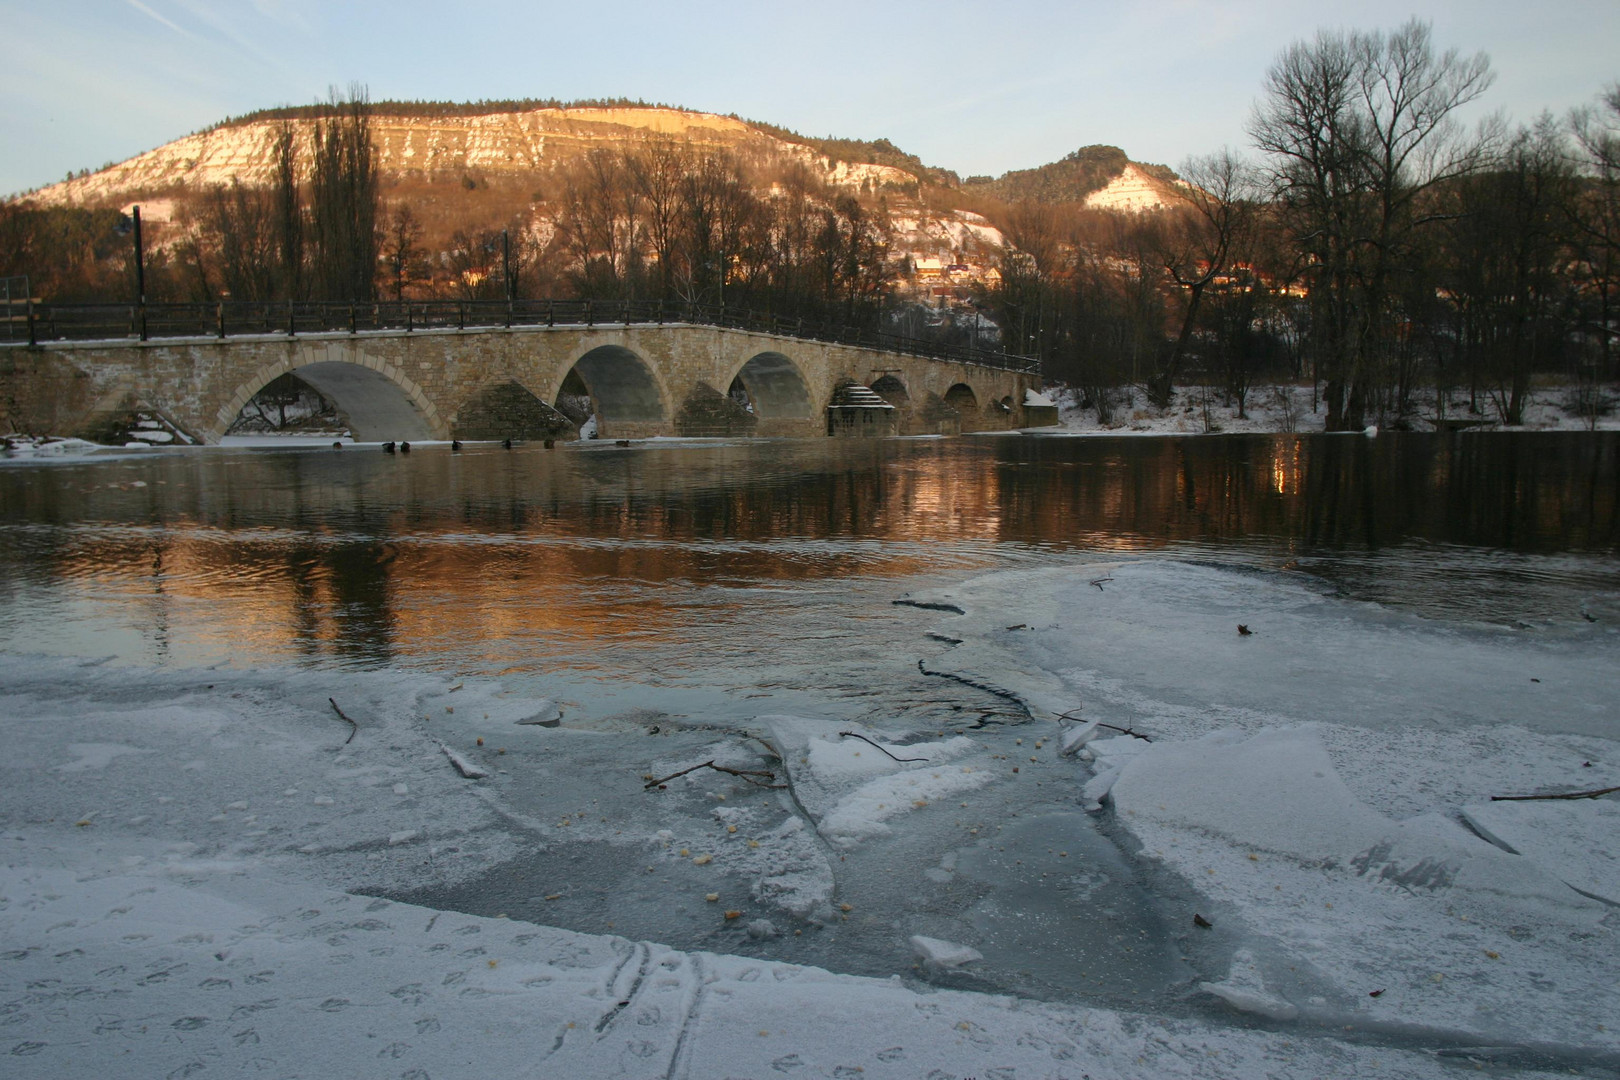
149,13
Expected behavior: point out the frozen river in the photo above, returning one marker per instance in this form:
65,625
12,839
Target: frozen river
753,603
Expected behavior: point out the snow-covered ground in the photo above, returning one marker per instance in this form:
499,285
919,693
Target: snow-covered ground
186,858
1278,408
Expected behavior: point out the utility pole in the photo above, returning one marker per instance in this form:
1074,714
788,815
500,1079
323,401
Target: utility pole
506,273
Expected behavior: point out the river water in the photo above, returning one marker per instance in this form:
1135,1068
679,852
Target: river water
680,586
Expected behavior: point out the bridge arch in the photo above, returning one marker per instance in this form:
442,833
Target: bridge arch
962,398
379,399
892,390
625,390
775,387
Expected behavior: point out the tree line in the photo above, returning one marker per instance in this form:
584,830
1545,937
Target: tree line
1373,244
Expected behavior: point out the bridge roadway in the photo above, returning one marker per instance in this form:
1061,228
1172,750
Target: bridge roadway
504,382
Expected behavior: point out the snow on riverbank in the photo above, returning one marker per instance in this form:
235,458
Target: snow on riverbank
1322,785
1270,409
183,855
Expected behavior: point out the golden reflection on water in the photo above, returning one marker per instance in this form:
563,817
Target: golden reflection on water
577,553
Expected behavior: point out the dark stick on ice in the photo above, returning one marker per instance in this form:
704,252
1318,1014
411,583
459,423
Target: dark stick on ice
1598,793
1111,727
745,774
345,718
1005,695
1099,582
864,739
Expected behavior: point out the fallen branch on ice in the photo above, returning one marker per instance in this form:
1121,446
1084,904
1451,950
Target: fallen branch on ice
745,774
343,716
864,739
1005,695
1597,793
1111,727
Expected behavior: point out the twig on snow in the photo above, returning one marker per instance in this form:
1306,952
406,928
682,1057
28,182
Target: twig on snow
745,774
1599,792
1111,727
864,739
1099,582
345,718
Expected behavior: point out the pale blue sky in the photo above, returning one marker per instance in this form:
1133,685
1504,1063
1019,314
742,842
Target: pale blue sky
979,88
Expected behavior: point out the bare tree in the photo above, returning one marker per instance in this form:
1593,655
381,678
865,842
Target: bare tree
344,198
402,251
241,221
1357,127
655,173
1595,215
1200,244
289,213
1506,253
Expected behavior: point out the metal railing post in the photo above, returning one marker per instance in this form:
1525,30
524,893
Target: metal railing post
32,338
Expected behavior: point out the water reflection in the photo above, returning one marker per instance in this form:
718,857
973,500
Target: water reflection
489,558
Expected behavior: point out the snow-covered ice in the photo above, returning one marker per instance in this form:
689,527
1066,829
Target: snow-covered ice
202,868
184,858
1320,787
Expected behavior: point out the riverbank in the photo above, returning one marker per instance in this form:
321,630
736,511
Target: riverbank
1292,408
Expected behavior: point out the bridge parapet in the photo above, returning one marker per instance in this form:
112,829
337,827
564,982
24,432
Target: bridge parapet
48,323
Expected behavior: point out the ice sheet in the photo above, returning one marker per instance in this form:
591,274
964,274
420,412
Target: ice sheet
1331,854
181,908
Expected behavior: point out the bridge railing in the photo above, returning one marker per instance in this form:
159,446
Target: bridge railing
143,322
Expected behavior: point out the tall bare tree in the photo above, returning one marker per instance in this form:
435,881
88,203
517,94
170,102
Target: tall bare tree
289,213
343,200
1357,127
402,250
1595,214
1199,246
241,219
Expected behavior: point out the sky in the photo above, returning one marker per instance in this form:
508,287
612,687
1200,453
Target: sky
979,88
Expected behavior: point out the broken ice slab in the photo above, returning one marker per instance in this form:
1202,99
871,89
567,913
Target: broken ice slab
466,768
1073,738
547,713
1568,839
939,955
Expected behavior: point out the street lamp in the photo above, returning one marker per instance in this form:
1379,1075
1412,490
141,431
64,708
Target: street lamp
140,265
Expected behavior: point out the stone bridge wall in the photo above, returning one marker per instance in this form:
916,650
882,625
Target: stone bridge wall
497,383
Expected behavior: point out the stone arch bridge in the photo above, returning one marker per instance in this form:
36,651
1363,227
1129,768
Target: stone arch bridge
507,382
